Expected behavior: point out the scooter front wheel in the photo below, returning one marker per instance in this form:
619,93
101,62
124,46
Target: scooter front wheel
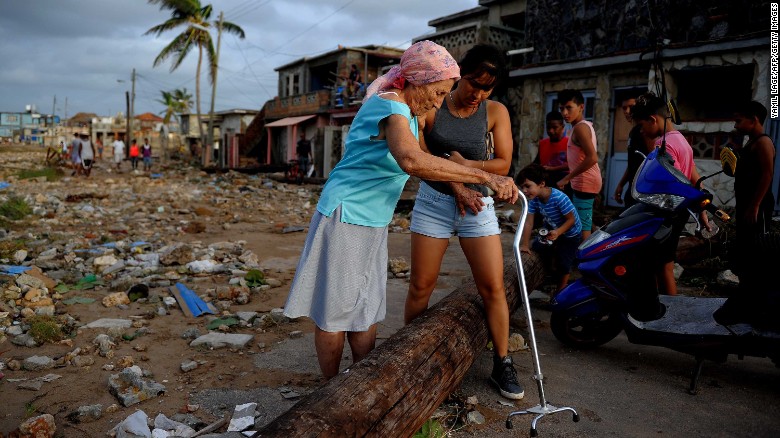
586,331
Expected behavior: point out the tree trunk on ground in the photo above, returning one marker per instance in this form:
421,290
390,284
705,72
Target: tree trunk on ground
397,387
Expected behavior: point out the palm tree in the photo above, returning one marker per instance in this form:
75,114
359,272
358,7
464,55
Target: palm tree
176,102
194,18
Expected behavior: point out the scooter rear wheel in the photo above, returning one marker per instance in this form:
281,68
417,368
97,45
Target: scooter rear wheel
585,332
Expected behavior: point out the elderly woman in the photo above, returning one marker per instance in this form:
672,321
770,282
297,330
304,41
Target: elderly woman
341,278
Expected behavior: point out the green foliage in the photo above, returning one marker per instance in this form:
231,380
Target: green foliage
9,247
51,173
15,208
431,429
215,324
30,410
254,278
44,328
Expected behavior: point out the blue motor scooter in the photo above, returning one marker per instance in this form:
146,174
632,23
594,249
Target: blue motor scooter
617,290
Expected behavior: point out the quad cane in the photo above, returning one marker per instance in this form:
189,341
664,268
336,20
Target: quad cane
543,408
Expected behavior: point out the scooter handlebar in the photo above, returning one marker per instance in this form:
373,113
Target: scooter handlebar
718,213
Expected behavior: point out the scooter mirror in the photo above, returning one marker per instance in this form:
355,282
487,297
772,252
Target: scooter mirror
728,161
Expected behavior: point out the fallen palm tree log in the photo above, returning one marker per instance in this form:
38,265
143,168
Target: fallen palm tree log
397,387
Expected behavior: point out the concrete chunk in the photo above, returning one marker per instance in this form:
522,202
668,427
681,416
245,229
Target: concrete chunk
219,340
110,323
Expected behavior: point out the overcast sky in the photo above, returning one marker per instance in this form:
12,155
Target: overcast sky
79,50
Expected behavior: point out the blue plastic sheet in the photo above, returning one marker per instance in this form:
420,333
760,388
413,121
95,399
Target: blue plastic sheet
13,270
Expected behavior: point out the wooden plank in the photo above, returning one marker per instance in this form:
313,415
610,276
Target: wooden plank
397,387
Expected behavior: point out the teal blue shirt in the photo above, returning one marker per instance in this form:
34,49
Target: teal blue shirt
367,182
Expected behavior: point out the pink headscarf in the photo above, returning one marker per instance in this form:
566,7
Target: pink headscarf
423,63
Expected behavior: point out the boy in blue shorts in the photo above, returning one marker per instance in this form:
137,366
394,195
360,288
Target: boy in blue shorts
560,219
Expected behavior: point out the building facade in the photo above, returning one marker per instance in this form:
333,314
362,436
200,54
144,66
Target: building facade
708,56
314,98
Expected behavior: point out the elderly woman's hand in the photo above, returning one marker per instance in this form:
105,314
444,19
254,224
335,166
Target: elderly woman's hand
503,187
466,198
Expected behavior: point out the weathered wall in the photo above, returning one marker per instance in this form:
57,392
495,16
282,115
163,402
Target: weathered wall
577,29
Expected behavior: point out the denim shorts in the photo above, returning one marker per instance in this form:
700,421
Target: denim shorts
436,215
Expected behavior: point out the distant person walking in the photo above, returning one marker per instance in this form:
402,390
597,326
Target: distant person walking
119,153
87,153
134,154
99,148
75,159
304,156
146,152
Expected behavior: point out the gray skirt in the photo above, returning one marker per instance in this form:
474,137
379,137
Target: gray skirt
341,278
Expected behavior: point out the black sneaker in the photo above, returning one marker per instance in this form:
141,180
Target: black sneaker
504,377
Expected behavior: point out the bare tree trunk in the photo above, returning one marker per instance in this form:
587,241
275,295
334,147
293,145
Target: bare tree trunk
197,103
397,387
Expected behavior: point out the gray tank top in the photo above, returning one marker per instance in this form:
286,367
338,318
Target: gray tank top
465,136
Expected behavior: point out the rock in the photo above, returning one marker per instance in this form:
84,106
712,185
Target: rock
41,426
727,278
219,340
130,388
296,334
246,316
516,343
86,414
273,282
26,279
398,265
116,299
188,366
104,343
14,330
134,426
118,266
475,417
106,260
38,363
82,361
14,365
31,385
125,362
191,333
178,254
24,340
249,258
20,256
204,266
110,323
165,427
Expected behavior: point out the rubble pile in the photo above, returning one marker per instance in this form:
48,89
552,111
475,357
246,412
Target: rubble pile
117,243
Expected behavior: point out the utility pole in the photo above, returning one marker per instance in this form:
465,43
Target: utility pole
52,128
127,124
221,157
130,116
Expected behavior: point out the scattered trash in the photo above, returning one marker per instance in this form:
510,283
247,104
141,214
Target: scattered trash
189,302
243,417
13,270
137,292
230,322
78,300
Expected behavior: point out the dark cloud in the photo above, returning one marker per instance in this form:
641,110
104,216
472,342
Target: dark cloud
79,49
